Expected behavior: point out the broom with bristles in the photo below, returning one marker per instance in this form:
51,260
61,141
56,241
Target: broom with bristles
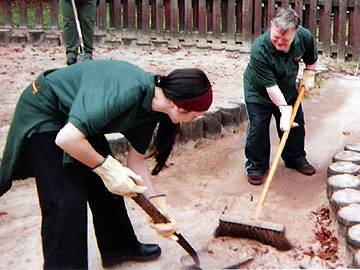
265,232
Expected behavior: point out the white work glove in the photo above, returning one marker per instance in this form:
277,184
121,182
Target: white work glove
285,118
119,179
163,229
309,79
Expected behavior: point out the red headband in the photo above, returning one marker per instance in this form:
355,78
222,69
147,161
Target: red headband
198,104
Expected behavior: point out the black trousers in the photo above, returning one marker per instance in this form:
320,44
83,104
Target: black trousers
257,149
63,196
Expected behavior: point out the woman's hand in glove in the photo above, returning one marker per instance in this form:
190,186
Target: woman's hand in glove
163,229
119,179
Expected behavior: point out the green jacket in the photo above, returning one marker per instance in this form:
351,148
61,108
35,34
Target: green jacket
268,67
98,97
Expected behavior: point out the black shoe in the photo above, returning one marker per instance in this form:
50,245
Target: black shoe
71,60
145,252
255,177
306,168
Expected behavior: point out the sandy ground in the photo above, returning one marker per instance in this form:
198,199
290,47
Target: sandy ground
205,179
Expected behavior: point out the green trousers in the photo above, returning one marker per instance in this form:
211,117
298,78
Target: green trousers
86,10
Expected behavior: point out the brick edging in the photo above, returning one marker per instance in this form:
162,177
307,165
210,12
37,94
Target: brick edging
343,193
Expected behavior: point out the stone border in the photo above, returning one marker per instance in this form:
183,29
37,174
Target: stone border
343,192
227,118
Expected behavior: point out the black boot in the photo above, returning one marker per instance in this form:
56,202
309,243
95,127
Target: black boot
145,252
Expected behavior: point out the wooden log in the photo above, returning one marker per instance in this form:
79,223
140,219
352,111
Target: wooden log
212,124
346,155
353,147
342,167
230,116
353,236
344,197
349,215
356,260
341,181
192,131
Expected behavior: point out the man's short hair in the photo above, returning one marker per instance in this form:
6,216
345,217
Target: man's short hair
286,19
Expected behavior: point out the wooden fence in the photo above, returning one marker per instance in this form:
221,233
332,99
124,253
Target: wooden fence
216,24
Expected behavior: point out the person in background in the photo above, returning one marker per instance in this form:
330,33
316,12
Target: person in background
57,136
270,89
86,10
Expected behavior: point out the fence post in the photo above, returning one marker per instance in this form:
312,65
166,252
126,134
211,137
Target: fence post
38,5
313,17
341,51
117,15
257,17
202,22
299,9
23,14
188,19
230,22
355,31
129,22
216,20
54,14
247,21
325,27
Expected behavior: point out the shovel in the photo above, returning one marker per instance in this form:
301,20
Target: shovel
191,261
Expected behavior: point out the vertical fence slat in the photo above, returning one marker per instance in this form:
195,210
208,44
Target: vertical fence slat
116,14
101,15
312,17
188,18
6,6
299,8
230,23
257,17
38,5
174,17
167,7
325,27
202,18
23,15
355,31
247,20
159,17
145,16
270,11
130,12
342,30
54,14
216,16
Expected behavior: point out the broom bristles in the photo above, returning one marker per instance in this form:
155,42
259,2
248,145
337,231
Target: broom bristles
265,232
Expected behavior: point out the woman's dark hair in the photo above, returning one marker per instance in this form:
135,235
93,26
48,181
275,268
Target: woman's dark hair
183,84
180,84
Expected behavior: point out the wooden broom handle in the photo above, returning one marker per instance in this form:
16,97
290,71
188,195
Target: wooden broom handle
278,154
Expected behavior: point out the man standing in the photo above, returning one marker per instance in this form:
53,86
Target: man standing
86,10
270,89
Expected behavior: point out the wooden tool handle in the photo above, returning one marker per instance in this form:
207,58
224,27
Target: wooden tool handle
150,209
278,154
